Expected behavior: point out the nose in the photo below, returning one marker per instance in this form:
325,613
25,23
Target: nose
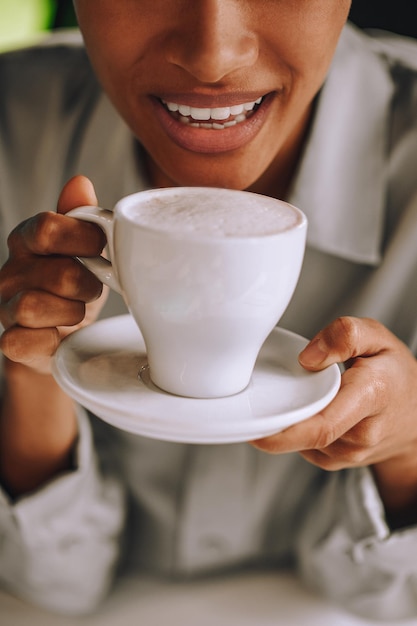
212,39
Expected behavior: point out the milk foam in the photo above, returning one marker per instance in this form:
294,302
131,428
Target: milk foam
214,213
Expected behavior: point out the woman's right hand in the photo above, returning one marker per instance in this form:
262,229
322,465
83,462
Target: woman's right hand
45,293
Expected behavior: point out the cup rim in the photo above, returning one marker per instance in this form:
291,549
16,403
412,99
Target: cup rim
124,203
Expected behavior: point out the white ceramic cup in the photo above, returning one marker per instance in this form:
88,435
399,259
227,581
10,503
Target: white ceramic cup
206,273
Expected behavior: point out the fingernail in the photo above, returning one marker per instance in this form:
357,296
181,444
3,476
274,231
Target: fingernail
315,353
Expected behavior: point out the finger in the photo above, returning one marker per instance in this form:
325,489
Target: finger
61,276
49,233
359,397
344,339
27,345
36,309
353,452
78,191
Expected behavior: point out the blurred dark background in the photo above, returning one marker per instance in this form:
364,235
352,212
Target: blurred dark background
64,14
398,16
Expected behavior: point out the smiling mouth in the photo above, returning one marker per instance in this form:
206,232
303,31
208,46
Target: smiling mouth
216,118
212,129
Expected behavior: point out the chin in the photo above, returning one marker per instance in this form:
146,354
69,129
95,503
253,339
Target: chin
215,173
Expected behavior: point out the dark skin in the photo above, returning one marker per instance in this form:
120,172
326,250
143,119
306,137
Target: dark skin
38,426
145,53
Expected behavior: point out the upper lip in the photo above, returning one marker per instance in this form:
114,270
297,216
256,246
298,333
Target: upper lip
208,101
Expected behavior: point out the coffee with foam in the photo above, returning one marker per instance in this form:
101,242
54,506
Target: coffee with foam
214,213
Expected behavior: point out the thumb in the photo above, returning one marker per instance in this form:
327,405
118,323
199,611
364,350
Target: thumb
344,339
78,191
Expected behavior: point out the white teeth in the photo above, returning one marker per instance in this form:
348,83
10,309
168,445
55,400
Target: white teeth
184,110
238,111
221,113
200,114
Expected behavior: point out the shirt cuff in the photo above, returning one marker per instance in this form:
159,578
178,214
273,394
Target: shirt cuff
378,545
39,508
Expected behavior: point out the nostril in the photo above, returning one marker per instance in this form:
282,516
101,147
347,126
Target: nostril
210,54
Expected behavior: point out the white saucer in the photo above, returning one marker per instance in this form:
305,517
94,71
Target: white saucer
100,365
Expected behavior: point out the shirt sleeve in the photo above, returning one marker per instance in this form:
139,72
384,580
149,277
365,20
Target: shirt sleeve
59,545
348,553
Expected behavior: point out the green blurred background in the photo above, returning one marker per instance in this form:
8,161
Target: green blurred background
22,20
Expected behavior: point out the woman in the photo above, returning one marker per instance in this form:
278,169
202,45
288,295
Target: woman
274,97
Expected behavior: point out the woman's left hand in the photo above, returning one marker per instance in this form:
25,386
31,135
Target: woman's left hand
373,418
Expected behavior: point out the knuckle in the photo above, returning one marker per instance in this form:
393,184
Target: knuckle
369,433
25,306
45,228
72,280
69,278
325,434
347,328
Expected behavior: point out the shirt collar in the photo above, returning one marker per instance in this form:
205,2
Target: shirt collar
341,181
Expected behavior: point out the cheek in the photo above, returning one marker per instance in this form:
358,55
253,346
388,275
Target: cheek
305,41
114,64
114,39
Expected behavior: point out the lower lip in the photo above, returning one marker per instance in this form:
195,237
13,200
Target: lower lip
211,141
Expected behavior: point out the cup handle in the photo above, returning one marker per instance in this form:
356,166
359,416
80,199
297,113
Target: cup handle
99,266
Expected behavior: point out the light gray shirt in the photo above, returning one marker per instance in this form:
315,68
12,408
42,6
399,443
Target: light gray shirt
183,509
